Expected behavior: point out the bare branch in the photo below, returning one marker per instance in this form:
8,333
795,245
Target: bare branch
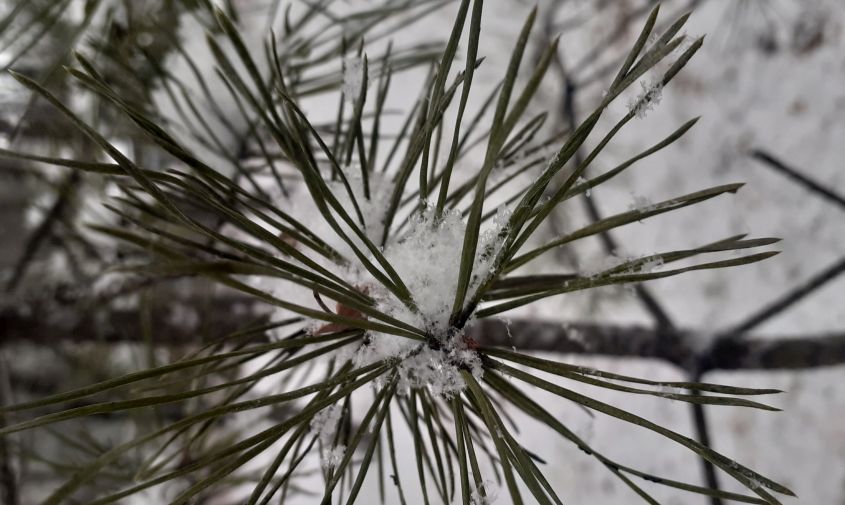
824,192
220,316
754,353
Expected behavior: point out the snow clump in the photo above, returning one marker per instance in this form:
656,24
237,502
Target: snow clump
485,494
647,99
641,203
353,78
325,424
427,259
651,265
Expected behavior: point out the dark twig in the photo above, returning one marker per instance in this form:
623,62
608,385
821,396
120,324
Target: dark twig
8,481
797,177
44,230
790,298
48,326
817,281
759,353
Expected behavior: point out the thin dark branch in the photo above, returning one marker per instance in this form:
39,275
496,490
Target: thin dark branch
8,480
702,435
796,176
50,327
758,353
43,230
791,298
185,322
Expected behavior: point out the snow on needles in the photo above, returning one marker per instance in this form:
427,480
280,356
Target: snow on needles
428,258
647,99
485,494
353,78
325,424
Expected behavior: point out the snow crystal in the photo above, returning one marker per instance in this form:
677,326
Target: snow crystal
668,391
553,160
353,78
647,99
438,370
507,323
325,424
484,494
640,203
330,458
597,265
582,180
650,265
753,482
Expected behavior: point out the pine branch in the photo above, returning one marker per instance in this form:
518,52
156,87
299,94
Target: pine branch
262,239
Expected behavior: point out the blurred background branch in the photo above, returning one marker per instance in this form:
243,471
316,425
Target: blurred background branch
202,320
